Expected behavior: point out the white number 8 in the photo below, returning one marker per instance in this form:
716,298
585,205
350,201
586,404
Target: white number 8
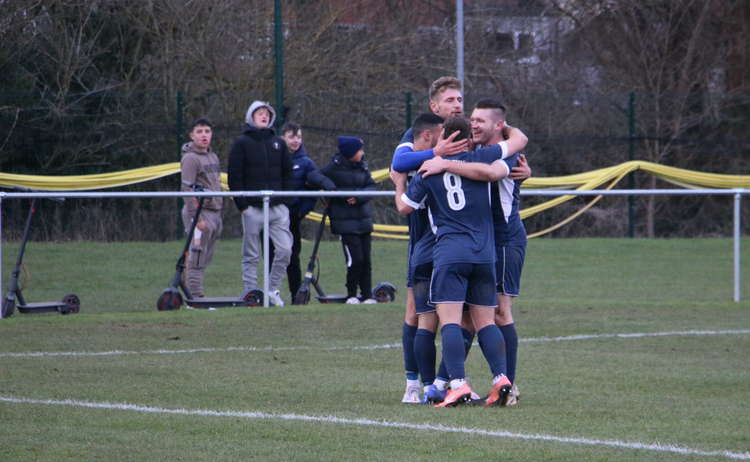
455,195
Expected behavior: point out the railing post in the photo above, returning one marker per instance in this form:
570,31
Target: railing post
407,110
266,247
179,134
737,238
631,157
2,294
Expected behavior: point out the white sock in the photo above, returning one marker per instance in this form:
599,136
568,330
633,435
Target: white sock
457,383
497,378
412,383
440,384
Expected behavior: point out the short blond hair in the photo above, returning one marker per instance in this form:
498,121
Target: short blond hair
442,84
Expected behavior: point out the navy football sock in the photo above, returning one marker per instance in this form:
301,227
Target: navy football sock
493,347
442,372
511,349
410,361
468,340
453,351
424,351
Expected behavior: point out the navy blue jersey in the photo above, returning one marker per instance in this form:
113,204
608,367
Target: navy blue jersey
461,216
419,222
422,249
506,199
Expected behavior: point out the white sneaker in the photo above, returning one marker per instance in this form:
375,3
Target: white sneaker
514,396
274,297
352,301
411,395
370,301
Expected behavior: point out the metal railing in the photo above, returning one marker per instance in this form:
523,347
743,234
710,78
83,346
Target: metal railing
266,195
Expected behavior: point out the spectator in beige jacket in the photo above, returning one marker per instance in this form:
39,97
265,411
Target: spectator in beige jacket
200,167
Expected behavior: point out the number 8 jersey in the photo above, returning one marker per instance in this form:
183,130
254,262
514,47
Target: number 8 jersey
460,215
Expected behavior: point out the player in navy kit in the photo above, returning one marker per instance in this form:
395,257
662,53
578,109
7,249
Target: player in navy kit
426,130
488,126
445,100
464,270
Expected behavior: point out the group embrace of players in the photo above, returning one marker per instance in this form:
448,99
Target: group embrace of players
466,245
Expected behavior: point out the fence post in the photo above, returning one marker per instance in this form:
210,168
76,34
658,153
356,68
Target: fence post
179,130
631,156
737,237
266,246
407,109
179,123
279,62
2,293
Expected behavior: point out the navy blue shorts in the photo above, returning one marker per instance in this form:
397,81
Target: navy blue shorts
419,272
421,289
508,268
472,283
420,278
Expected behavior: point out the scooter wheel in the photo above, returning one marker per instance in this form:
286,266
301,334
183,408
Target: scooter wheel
384,292
254,298
169,300
72,304
9,306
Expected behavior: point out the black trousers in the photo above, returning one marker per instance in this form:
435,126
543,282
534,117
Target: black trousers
358,267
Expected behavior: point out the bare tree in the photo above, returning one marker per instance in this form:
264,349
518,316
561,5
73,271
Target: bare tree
671,52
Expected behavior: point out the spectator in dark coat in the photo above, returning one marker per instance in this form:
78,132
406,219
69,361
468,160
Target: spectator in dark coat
259,160
351,217
305,175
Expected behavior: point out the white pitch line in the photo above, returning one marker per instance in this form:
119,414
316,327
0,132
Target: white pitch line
380,423
636,335
388,346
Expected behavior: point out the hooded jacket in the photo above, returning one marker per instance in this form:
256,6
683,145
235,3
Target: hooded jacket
258,160
201,168
348,176
305,174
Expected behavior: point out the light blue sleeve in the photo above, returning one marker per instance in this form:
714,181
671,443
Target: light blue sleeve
405,159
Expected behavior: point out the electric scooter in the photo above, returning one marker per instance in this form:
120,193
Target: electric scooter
383,292
172,299
302,297
70,304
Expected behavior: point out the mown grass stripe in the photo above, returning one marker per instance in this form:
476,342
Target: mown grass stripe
43,354
380,423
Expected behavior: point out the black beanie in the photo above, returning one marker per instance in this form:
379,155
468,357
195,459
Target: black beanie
349,146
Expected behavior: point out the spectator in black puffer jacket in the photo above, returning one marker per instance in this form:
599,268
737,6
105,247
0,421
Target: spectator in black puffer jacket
351,217
259,160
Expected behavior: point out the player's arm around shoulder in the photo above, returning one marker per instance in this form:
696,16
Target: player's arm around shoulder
405,159
515,142
521,170
403,204
479,171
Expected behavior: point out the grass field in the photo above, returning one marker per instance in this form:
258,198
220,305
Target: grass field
631,350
